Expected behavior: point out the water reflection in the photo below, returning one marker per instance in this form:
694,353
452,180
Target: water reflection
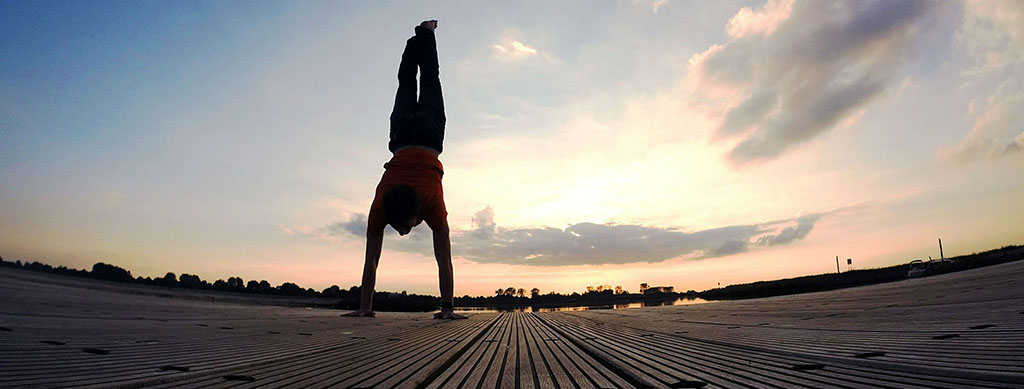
641,304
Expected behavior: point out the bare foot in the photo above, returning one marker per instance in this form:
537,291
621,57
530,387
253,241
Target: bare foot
448,315
360,313
429,24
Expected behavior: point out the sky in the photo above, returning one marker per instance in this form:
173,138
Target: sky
683,143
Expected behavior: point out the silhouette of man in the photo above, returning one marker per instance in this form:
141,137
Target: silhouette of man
410,191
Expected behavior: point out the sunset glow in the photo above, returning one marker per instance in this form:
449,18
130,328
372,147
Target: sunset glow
680,143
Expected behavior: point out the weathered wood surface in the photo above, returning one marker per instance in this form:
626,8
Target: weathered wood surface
956,330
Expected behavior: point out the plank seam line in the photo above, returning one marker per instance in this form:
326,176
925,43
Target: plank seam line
247,365
608,365
972,375
454,357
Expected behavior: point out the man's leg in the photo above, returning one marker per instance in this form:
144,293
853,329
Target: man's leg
431,102
405,98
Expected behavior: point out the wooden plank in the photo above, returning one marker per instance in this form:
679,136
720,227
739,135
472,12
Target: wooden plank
756,363
350,365
456,374
889,335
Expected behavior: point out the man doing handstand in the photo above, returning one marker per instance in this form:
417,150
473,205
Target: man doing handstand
410,191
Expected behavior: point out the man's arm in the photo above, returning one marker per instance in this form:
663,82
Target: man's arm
443,254
374,242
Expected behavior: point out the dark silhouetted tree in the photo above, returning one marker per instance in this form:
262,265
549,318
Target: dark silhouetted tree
236,283
220,285
333,292
265,287
111,273
290,289
191,281
170,279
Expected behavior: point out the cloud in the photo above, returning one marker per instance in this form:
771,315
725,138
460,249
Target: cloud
992,37
762,21
355,225
483,223
586,243
792,70
653,5
792,233
513,50
998,129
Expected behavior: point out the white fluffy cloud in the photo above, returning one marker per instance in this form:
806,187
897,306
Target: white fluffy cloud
512,51
760,22
792,70
992,37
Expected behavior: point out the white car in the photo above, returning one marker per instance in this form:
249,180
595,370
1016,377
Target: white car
917,268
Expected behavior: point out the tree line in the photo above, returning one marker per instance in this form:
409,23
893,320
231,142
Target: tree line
511,296
103,271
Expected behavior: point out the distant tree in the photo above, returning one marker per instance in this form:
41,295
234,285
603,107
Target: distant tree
169,279
643,288
39,266
590,289
520,292
332,292
291,289
191,281
618,289
236,283
220,285
110,272
265,287
510,291
499,292
534,293
599,289
252,287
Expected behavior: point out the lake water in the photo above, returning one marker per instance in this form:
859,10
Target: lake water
681,301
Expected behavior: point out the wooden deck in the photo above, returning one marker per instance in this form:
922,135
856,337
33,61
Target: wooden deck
956,330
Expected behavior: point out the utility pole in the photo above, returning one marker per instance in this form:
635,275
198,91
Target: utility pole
837,264
941,256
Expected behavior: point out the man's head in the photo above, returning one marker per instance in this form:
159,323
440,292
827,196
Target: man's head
401,208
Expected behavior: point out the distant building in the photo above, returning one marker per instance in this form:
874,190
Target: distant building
659,290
